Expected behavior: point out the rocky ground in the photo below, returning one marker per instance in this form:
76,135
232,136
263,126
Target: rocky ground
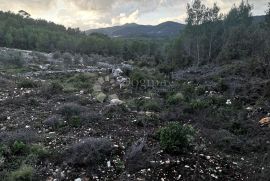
85,121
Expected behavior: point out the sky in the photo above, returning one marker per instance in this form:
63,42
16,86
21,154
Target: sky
90,14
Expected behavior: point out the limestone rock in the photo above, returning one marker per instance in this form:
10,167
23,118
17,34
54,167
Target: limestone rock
113,96
116,102
97,88
101,80
101,97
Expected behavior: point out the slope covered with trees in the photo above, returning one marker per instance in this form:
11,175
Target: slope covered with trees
23,32
212,37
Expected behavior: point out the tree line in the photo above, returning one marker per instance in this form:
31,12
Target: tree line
23,32
212,37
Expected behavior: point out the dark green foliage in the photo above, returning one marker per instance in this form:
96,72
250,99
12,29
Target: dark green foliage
75,121
18,147
198,104
175,98
176,138
27,83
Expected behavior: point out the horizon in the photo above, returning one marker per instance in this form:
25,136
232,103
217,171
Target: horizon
92,14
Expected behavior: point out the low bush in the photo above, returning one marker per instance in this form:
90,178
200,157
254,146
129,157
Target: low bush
81,81
176,138
55,121
18,147
51,89
24,173
56,55
146,104
175,98
198,104
70,110
39,151
27,83
151,105
67,58
89,152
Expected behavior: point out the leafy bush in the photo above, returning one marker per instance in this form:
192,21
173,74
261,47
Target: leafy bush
24,173
89,152
56,55
18,147
54,121
198,104
175,98
70,110
75,121
39,151
151,105
51,89
27,83
67,58
175,137
81,81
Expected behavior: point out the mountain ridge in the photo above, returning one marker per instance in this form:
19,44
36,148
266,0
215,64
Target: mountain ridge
165,29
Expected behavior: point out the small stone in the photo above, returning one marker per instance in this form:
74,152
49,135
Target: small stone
116,102
214,176
78,179
108,164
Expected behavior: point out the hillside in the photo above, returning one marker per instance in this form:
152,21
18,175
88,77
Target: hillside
166,29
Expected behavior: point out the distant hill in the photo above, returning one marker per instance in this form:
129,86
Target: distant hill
163,30
258,19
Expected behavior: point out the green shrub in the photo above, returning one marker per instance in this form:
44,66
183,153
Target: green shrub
188,89
56,55
151,105
175,98
27,83
198,104
176,138
18,147
38,150
24,173
222,86
75,121
70,110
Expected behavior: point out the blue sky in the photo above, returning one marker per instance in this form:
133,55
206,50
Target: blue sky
88,14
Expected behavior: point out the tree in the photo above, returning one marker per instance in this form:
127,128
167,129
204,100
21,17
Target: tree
239,15
195,17
267,17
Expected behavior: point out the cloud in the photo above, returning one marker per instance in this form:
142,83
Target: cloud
88,14
123,18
